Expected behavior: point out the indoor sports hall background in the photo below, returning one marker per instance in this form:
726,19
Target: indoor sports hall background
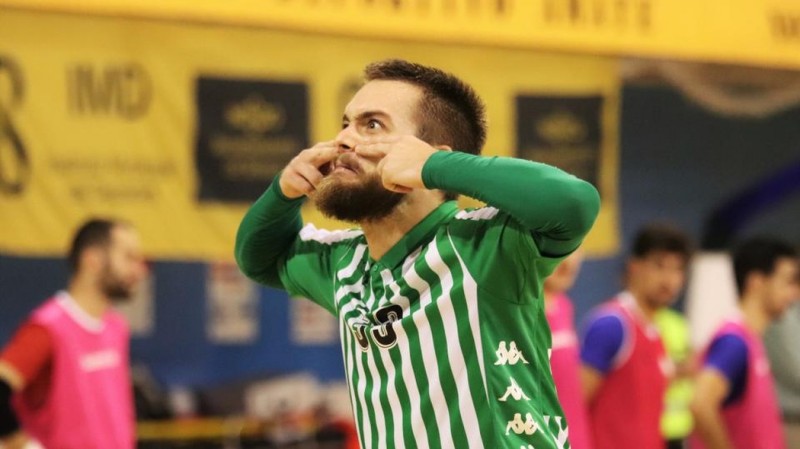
176,114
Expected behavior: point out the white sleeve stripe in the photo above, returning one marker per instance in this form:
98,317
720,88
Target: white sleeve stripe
484,213
310,232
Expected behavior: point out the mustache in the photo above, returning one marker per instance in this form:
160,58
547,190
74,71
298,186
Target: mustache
348,161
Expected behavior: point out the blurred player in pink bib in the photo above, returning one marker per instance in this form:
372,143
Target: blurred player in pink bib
734,404
565,357
64,377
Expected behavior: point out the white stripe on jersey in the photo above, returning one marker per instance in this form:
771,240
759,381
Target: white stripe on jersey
346,289
458,365
380,420
484,213
437,397
394,399
348,271
370,302
324,236
347,348
470,287
410,380
388,365
362,389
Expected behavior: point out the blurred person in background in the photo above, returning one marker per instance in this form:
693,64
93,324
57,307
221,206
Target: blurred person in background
625,368
677,422
734,403
783,350
64,376
442,321
565,358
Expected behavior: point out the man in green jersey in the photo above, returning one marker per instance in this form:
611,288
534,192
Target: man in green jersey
441,317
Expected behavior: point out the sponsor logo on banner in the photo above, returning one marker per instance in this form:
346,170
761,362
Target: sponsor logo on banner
232,301
115,90
248,130
15,167
311,325
785,26
564,132
601,14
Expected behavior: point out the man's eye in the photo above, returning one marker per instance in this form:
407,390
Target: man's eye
345,125
374,124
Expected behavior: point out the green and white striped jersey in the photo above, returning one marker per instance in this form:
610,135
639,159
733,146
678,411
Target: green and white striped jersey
444,338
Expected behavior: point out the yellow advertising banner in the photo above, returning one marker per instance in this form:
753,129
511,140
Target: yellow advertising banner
178,127
752,32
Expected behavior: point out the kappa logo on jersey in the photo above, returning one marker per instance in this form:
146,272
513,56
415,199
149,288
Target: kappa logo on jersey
519,427
510,355
514,391
560,439
563,432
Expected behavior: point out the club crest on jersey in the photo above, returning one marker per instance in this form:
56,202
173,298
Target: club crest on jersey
382,331
509,355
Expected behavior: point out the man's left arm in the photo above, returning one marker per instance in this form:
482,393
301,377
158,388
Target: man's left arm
558,208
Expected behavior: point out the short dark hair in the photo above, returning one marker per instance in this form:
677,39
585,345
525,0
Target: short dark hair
95,232
661,237
450,111
758,254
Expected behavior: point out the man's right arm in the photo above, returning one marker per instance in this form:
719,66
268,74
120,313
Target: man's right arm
25,358
11,435
268,234
722,378
710,389
602,342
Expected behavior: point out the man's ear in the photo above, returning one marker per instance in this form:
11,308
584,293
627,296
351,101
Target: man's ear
92,258
443,147
754,280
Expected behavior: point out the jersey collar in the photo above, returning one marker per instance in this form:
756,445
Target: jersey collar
80,316
420,233
628,302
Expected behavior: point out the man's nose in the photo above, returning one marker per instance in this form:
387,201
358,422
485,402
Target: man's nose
346,139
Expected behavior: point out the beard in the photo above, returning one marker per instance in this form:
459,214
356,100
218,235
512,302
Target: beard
355,201
114,287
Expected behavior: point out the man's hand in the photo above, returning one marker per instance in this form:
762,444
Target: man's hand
401,161
303,173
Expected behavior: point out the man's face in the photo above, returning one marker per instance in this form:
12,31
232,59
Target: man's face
659,275
124,267
782,287
352,189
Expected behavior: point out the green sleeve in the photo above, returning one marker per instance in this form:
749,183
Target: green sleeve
557,208
269,249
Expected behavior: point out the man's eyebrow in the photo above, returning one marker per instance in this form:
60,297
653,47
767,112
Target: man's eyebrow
365,115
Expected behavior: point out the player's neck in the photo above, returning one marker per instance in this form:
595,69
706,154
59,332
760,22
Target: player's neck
383,234
753,314
88,297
